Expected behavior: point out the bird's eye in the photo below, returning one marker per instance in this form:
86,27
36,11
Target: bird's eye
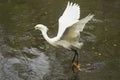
37,27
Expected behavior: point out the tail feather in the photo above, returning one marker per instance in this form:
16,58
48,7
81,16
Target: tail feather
77,44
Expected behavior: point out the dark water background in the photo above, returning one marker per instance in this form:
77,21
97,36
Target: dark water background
25,55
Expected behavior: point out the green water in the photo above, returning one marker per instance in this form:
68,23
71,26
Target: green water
25,55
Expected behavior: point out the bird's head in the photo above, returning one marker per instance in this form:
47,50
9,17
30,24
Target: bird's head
41,27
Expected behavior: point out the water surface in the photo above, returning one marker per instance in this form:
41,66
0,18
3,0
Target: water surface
25,55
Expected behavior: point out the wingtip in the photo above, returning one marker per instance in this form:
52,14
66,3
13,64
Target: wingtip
91,15
87,18
68,3
72,4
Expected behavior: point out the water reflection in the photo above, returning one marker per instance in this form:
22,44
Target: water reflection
27,56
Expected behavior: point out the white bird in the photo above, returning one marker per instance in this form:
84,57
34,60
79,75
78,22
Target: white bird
69,29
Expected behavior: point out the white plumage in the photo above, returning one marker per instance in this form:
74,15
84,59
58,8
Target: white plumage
69,28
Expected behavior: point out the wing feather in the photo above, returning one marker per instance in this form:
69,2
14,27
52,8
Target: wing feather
73,32
69,17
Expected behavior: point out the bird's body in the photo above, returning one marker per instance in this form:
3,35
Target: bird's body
69,28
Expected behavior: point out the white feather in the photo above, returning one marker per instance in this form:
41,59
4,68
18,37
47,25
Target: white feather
69,28
69,17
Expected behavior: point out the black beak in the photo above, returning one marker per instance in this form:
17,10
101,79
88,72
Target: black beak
31,29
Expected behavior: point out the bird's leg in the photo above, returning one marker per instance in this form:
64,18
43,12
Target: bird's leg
73,60
75,63
77,57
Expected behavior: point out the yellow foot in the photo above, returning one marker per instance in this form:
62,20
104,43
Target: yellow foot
76,65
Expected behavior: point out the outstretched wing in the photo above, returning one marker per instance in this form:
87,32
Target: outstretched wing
69,17
73,32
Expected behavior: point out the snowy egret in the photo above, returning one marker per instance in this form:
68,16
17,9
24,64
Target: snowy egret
69,30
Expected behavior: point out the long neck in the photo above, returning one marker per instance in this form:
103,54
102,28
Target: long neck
44,33
50,40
